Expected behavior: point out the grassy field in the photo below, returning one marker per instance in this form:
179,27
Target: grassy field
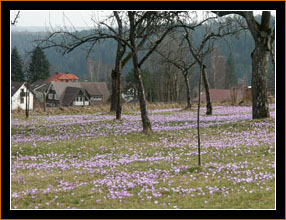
91,161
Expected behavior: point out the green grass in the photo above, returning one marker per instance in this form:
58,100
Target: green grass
171,150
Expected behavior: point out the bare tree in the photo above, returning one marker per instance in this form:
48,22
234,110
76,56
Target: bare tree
199,56
206,45
117,71
16,18
116,27
168,84
178,57
153,26
263,35
110,28
139,31
134,31
143,25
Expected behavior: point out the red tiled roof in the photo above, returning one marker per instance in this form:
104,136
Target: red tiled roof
68,76
62,76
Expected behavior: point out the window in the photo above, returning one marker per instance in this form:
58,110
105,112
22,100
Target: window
79,99
50,96
96,98
22,93
21,100
56,97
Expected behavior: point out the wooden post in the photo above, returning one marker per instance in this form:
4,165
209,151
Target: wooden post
45,104
27,103
83,97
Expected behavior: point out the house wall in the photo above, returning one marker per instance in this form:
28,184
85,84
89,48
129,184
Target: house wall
52,100
16,101
79,100
96,100
39,96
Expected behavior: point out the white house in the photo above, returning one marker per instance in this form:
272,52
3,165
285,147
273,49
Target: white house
130,95
18,96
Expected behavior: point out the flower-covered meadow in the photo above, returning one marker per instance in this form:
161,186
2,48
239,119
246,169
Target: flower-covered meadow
92,161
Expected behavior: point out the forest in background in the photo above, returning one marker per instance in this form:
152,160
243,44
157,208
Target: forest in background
97,66
77,61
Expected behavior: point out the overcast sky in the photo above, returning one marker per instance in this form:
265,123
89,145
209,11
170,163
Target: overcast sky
46,18
77,18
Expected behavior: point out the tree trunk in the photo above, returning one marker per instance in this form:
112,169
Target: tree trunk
116,73
113,100
260,62
189,104
147,128
261,34
116,105
118,96
208,97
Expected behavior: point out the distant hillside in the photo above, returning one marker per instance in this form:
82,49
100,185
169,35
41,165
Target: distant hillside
101,60
75,62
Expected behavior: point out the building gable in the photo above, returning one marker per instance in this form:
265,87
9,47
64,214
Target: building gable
71,93
97,89
18,96
15,86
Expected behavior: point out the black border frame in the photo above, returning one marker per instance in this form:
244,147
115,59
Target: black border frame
6,6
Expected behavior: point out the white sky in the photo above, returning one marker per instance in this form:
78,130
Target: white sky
46,18
77,18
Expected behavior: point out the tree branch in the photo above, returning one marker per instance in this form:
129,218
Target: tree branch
253,25
16,18
224,13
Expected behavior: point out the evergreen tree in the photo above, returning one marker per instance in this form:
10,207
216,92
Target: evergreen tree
231,77
39,67
16,66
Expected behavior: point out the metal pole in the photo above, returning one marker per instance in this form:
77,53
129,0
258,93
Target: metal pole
198,119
